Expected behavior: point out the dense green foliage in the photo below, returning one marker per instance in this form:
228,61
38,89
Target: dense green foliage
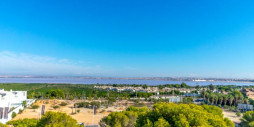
68,91
169,114
55,94
232,98
87,104
2,125
35,106
187,100
50,119
248,119
13,115
53,119
63,104
23,123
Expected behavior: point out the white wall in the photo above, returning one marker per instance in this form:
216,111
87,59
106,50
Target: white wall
16,110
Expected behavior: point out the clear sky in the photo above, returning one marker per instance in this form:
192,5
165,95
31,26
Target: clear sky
130,38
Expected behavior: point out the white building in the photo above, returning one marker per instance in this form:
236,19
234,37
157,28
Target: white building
175,99
11,101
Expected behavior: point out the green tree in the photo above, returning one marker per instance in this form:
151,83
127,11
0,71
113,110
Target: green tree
3,125
169,114
197,87
24,104
204,94
23,123
220,99
229,123
230,99
211,87
13,114
57,119
184,85
238,96
161,123
225,98
248,119
145,86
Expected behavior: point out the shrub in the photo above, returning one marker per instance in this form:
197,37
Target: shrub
95,103
35,106
232,108
226,106
56,106
187,100
13,115
78,110
24,103
3,125
82,105
102,111
63,104
238,114
20,111
12,108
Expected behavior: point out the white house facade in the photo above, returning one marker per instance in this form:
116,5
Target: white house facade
11,101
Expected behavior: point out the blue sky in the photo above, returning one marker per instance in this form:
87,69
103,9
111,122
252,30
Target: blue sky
134,38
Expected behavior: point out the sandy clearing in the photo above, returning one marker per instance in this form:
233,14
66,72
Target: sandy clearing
231,115
85,115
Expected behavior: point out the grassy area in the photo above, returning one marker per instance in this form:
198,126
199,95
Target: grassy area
66,91
20,86
36,90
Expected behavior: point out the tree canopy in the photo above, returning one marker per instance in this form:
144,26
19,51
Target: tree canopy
248,119
50,119
168,115
23,123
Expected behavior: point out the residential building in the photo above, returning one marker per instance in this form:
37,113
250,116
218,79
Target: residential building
11,101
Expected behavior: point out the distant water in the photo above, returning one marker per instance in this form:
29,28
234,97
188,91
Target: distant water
112,81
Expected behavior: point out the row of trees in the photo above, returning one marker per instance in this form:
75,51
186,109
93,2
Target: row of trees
230,99
168,115
86,94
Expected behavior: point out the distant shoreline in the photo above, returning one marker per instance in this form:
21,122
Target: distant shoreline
196,79
87,80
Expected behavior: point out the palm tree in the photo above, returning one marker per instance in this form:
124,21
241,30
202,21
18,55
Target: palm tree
225,98
211,97
236,99
216,99
203,93
220,98
230,99
237,95
241,98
